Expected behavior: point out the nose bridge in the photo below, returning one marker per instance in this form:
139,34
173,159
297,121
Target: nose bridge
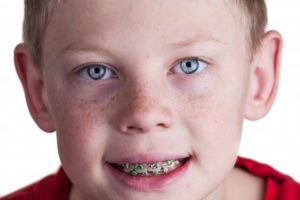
145,99
144,84
144,95
144,109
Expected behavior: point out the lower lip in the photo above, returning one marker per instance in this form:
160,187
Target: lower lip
151,183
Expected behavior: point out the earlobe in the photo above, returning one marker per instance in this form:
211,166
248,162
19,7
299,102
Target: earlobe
264,76
33,87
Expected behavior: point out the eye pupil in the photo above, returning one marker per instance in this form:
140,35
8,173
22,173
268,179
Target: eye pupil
96,72
188,64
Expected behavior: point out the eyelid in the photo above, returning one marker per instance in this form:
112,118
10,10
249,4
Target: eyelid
202,59
89,64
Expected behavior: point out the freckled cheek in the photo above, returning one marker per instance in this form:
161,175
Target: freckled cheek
211,121
214,134
78,113
79,121
76,106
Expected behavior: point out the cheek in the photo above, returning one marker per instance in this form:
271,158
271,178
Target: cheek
215,126
80,122
214,120
71,114
219,110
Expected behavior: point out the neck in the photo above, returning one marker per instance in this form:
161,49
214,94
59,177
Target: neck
218,194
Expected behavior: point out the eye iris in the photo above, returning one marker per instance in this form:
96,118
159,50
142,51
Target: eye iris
189,66
96,72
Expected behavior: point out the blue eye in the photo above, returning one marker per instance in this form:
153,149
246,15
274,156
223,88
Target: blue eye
190,66
96,72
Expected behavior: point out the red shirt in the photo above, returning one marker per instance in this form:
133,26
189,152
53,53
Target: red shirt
53,187
57,187
278,186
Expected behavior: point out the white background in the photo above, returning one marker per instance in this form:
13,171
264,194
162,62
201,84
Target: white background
27,154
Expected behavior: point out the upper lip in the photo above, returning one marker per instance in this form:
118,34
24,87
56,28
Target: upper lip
146,158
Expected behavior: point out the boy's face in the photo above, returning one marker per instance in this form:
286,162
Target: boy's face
142,82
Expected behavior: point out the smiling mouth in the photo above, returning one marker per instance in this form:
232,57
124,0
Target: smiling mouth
150,169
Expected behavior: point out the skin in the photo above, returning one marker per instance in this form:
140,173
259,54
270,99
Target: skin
147,106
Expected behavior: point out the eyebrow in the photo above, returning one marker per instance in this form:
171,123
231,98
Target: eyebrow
180,43
77,47
198,37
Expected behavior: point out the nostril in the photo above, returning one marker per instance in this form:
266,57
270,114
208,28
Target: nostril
143,129
133,128
162,125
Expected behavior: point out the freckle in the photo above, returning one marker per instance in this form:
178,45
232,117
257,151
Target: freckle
113,98
194,106
138,106
188,186
166,112
60,133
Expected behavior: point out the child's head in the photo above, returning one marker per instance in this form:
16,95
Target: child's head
161,82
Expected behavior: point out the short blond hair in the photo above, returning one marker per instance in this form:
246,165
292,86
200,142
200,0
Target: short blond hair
37,11
256,20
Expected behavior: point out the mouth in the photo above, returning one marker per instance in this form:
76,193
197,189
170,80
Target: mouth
150,169
148,172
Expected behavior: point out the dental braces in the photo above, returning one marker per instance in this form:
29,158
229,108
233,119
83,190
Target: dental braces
158,168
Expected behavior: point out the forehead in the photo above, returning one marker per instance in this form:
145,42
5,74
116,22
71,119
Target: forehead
139,21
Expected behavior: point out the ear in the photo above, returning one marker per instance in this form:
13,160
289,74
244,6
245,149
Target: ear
264,76
33,86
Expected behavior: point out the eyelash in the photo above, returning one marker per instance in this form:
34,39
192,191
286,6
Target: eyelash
107,73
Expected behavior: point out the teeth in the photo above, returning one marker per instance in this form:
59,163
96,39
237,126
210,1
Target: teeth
150,169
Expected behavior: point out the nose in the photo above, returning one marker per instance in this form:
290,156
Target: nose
145,111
